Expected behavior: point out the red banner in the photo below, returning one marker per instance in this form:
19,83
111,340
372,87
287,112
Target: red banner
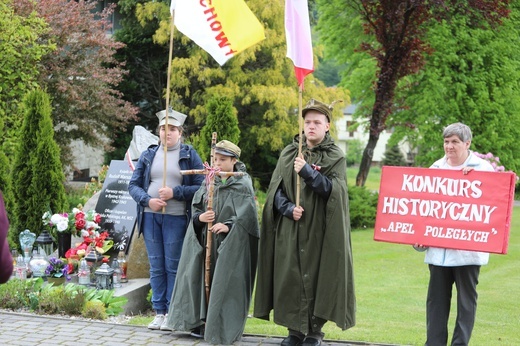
445,208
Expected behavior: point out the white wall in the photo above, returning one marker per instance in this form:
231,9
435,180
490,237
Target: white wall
361,134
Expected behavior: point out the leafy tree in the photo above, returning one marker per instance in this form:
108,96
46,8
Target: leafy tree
396,41
21,51
393,157
260,83
473,77
222,118
37,171
354,152
329,72
81,74
145,82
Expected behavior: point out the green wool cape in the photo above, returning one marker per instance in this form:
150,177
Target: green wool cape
305,267
233,268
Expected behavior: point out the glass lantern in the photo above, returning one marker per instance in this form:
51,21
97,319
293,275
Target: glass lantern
104,277
83,273
38,264
45,243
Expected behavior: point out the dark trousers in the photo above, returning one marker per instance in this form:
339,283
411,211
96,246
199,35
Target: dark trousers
439,301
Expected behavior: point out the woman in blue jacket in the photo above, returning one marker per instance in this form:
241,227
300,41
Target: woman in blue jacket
163,206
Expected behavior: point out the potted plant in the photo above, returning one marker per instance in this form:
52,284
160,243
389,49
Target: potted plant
57,271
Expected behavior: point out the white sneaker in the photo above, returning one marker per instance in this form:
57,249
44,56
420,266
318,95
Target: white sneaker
164,325
157,322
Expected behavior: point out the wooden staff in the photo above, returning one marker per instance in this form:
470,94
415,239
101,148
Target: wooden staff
300,129
204,171
209,235
210,172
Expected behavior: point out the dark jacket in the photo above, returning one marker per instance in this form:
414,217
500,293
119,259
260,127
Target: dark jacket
140,181
305,267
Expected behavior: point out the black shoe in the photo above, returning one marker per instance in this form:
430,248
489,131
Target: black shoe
198,332
291,340
311,342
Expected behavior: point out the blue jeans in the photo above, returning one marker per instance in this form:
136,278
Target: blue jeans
163,237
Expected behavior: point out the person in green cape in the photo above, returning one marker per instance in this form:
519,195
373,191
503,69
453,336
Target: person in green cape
235,231
305,271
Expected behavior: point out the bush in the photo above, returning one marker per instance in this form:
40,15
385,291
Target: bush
71,299
94,310
363,207
14,295
61,300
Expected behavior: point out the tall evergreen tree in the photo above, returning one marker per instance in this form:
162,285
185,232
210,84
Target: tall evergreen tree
4,171
21,51
222,119
393,157
37,174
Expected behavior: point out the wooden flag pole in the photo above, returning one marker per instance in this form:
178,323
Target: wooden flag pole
166,128
300,129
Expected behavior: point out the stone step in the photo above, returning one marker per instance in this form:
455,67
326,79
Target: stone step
135,290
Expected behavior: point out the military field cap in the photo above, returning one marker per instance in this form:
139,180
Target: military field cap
227,148
320,107
174,118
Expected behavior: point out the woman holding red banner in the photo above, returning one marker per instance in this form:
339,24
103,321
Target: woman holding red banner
448,266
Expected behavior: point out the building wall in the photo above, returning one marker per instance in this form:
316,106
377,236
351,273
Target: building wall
87,161
361,133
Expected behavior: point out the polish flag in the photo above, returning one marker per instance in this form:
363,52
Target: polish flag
298,34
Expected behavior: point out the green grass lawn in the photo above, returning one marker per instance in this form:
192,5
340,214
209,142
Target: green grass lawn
373,179
391,282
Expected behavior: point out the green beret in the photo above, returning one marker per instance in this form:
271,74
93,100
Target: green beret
227,148
319,107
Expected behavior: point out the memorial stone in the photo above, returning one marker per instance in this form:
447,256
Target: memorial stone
116,206
118,211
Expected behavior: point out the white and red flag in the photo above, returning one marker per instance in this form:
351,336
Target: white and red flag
221,28
298,34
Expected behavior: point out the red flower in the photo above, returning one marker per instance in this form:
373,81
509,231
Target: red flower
80,215
80,223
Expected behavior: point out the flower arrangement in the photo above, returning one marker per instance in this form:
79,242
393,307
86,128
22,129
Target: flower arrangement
92,241
75,222
58,268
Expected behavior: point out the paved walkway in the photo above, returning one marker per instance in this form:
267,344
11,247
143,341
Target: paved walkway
30,330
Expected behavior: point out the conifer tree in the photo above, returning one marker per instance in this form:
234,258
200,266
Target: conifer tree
4,170
222,119
393,157
37,174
